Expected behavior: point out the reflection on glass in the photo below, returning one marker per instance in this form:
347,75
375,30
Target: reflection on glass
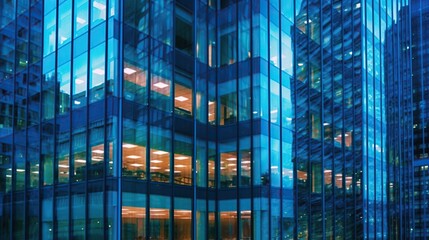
183,30
80,80
98,13
135,80
63,76
64,23
96,84
81,16
79,155
245,167
49,36
228,108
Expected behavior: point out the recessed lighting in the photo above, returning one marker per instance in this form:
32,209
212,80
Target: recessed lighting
80,161
76,102
63,166
326,124
211,103
136,164
231,164
98,71
20,170
35,172
97,159
156,161
181,98
80,20
274,111
129,71
300,64
156,168
160,85
180,166
133,157
181,158
97,151
160,152
79,81
231,159
274,167
99,5
127,145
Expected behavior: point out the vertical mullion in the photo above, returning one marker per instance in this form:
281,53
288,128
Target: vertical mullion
55,128
87,128
237,130
194,129
106,142
119,136
149,74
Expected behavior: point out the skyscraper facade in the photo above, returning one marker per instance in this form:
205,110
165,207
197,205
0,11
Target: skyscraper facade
420,81
208,119
407,115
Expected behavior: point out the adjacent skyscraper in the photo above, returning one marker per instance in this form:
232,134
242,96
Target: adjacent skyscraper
205,119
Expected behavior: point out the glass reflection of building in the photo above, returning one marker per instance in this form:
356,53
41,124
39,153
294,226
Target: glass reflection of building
420,81
408,122
204,119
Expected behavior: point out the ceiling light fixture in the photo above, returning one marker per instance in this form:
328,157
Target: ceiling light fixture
160,85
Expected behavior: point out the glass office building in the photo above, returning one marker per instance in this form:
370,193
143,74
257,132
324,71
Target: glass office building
205,119
409,120
420,81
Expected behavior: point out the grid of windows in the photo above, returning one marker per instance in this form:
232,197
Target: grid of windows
203,119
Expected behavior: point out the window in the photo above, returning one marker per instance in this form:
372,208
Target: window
184,30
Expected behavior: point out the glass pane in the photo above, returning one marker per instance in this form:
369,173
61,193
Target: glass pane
134,149
98,11
49,36
182,159
160,154
133,216
96,83
159,217
64,22
80,80
81,16
182,218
